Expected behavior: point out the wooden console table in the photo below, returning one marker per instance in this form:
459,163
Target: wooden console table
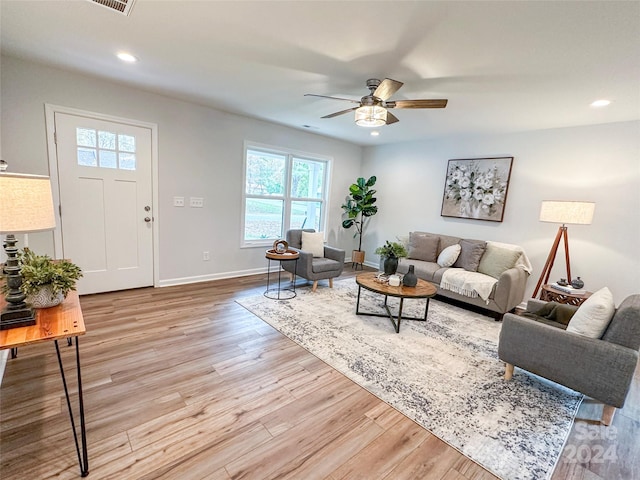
52,324
550,294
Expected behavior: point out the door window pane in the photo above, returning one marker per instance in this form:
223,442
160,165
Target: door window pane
107,140
127,161
307,178
265,173
86,137
126,143
108,159
305,215
87,157
263,219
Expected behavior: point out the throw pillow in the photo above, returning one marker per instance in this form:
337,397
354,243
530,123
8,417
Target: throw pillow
470,253
423,246
313,242
449,255
497,260
594,315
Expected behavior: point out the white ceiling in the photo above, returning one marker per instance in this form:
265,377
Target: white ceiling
504,66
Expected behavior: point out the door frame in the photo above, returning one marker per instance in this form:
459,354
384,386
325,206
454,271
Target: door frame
50,110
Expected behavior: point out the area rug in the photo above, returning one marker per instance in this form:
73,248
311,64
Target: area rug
444,374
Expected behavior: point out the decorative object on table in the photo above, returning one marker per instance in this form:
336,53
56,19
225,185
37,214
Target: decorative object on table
410,279
563,212
476,188
394,281
391,252
46,282
563,282
577,283
280,246
443,374
358,207
27,206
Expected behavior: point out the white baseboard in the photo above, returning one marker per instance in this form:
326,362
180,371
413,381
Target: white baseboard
4,354
213,276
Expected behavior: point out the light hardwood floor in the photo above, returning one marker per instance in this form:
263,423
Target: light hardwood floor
183,383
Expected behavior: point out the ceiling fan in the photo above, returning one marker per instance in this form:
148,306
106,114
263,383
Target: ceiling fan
372,109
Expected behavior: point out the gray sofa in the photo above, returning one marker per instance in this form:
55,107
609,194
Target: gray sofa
601,368
511,274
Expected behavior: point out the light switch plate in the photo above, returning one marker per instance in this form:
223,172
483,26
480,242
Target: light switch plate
196,202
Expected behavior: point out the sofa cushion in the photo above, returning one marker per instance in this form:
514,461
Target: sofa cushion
497,260
424,270
470,253
324,265
449,255
423,246
313,243
594,315
447,241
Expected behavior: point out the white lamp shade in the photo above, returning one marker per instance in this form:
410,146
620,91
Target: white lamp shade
26,203
577,213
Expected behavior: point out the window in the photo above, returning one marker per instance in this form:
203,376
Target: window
105,149
282,190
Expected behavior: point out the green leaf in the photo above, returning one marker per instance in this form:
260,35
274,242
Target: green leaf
347,223
371,182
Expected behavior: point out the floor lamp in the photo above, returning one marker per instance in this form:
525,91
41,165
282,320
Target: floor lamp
577,213
27,206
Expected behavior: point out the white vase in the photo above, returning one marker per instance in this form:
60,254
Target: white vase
44,298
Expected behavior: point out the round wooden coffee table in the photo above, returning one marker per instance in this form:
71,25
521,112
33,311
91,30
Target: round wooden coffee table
423,289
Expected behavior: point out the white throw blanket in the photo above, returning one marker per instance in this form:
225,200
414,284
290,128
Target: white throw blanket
469,284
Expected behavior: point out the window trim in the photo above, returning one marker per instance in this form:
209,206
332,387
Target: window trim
290,154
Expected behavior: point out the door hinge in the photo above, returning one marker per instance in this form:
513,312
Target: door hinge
60,209
55,137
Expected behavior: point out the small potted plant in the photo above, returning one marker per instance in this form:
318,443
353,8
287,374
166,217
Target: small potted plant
391,252
46,282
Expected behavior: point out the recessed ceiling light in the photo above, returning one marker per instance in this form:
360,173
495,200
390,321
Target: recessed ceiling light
127,57
375,133
600,103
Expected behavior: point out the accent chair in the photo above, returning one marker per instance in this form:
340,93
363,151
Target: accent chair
601,368
314,268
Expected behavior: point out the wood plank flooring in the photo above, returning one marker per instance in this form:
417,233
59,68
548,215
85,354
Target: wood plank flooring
183,383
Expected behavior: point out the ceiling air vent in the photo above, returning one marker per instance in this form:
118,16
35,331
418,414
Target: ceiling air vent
122,6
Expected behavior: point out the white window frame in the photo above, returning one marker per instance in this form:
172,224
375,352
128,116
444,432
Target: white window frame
290,155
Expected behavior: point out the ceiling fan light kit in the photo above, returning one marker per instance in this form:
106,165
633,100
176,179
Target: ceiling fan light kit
373,108
371,116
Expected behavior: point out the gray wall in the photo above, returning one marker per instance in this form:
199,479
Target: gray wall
200,154
596,163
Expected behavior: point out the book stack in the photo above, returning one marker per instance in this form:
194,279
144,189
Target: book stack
569,289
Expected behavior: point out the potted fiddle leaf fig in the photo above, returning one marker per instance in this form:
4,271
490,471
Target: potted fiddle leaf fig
358,207
46,282
391,252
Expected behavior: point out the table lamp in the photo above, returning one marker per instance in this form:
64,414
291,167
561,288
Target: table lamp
564,212
27,206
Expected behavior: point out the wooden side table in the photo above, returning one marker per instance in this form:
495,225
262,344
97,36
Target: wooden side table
550,294
52,324
279,292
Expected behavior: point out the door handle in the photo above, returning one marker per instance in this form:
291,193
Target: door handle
147,219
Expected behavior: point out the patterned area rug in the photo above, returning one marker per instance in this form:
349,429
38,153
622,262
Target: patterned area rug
444,374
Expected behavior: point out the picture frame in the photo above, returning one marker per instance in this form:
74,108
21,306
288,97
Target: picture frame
476,188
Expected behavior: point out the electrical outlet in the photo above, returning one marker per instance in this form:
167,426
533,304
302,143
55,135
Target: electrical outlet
205,256
178,201
197,202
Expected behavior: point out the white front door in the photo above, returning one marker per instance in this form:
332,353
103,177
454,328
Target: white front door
105,180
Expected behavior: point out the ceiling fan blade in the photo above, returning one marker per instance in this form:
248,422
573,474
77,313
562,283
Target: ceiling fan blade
342,112
391,118
417,104
333,98
387,88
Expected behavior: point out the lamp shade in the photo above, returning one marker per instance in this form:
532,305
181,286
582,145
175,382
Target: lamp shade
27,204
557,211
371,116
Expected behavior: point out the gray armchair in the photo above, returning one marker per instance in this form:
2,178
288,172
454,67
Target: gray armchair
314,269
601,368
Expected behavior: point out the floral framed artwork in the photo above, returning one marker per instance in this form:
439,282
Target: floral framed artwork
477,188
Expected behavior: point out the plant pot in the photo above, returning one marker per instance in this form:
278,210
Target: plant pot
45,298
357,256
390,265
